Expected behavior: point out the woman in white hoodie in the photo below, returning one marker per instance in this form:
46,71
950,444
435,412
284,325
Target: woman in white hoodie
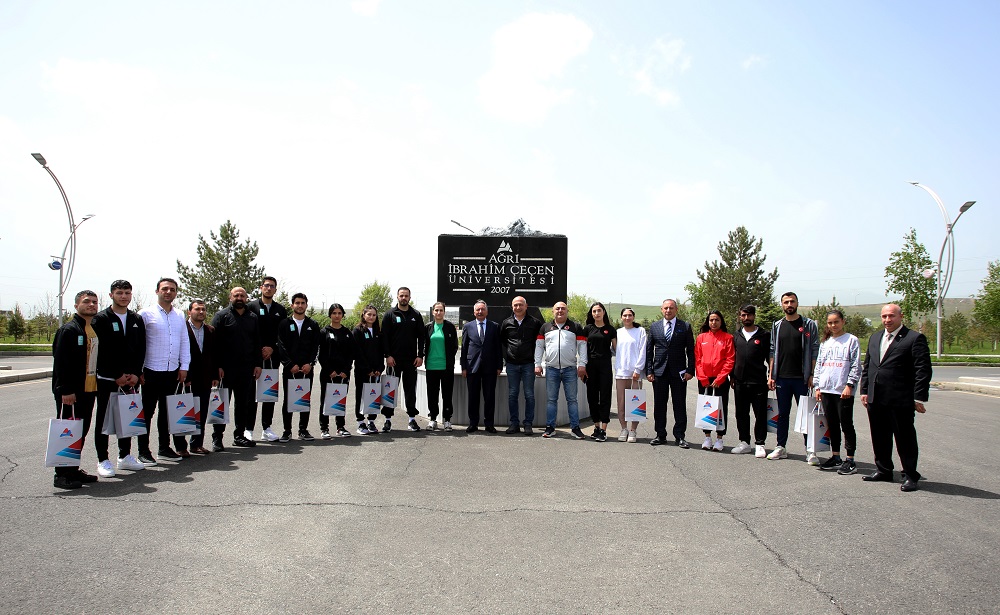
838,370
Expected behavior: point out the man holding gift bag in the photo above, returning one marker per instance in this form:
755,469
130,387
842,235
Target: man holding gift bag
204,371
74,378
298,345
270,315
794,347
752,345
238,356
122,335
404,343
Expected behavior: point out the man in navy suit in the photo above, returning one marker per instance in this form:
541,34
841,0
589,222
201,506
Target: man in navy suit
895,380
669,366
482,360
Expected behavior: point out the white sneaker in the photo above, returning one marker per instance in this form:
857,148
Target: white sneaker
742,447
778,453
761,452
128,462
432,425
104,469
718,445
631,437
447,425
707,444
812,459
248,434
623,436
268,436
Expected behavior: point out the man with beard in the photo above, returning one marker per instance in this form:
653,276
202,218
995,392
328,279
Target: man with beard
404,344
752,345
794,346
204,371
74,378
298,344
270,314
122,336
518,333
239,352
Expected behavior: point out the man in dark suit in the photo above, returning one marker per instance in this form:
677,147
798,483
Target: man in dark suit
895,379
203,373
669,366
482,359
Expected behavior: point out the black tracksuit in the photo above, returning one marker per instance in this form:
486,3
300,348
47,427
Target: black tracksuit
69,377
296,347
404,338
269,318
238,352
337,349
367,360
123,351
749,377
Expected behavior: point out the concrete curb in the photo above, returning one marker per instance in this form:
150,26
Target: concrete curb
968,387
28,374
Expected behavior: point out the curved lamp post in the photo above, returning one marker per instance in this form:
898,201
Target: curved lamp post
65,273
457,223
944,271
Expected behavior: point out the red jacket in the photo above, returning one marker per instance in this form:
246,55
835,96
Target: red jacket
714,356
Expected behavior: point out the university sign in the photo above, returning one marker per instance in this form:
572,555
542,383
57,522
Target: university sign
497,269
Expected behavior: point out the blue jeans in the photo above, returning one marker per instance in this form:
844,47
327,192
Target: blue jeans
785,390
521,376
567,376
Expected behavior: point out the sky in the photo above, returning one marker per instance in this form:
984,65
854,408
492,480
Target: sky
343,137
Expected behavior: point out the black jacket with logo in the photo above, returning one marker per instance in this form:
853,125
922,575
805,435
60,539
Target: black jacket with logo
518,342
404,337
123,349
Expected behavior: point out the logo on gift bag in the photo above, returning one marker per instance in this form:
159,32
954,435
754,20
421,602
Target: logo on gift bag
825,438
389,394
139,420
304,400
772,421
298,388
180,404
267,377
132,405
339,402
271,391
712,418
190,418
66,433
73,450
219,411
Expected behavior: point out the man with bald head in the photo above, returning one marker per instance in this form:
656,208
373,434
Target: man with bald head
238,348
669,366
562,347
895,380
518,333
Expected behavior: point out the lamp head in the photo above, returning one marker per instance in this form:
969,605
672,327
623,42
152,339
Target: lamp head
40,159
966,206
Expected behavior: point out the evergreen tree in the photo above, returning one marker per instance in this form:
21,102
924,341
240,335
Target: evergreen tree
223,263
905,276
16,326
987,308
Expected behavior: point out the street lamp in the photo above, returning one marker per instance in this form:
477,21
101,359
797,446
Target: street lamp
456,223
944,271
65,273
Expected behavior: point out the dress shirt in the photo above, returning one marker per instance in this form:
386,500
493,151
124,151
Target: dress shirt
199,335
167,346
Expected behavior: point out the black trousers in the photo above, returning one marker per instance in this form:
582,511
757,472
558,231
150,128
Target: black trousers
243,395
723,392
751,395
600,387
888,422
839,413
663,387
442,380
104,390
202,395
286,416
155,388
82,409
485,382
360,382
408,381
324,419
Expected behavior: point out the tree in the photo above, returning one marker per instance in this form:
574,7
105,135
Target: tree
737,280
222,265
578,307
16,327
905,276
955,328
855,324
375,293
987,308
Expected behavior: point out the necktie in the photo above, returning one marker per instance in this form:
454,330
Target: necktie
886,340
482,330
670,331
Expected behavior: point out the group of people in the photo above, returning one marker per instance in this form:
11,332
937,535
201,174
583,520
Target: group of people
156,350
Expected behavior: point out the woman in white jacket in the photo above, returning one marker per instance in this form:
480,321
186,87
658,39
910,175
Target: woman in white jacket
838,370
630,361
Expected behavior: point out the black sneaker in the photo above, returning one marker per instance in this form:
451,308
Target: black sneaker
343,433
513,428
848,467
387,426
243,442
412,425
372,429
66,482
596,434
146,459
217,446
578,433
169,453
833,463
305,435
285,436
83,477
602,436
549,431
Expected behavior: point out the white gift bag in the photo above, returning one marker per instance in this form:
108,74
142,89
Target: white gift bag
772,415
182,413
130,418
708,413
807,406
390,389
635,405
818,439
335,401
268,385
64,442
299,398
371,398
218,406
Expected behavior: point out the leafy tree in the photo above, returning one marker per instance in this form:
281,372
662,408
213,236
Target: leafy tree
3,323
735,280
904,276
375,293
855,323
222,265
987,308
955,328
16,327
578,306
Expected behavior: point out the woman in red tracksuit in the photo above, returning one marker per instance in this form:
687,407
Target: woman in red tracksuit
714,357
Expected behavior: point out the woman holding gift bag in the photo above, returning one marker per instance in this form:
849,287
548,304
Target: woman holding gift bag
630,362
714,357
336,357
369,364
442,346
838,371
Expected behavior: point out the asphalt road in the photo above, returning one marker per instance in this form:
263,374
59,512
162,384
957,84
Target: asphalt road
434,522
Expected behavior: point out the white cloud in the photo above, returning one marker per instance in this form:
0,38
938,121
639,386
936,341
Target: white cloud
663,60
677,198
528,55
365,8
752,61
